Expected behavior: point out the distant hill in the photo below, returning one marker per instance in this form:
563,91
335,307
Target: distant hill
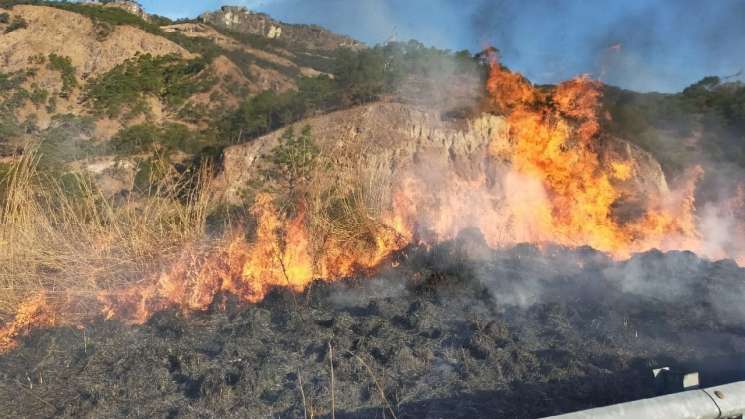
242,20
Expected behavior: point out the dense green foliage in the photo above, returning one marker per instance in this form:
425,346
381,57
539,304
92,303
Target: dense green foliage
67,72
169,78
147,138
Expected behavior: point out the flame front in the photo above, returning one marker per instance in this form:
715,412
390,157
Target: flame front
280,256
555,188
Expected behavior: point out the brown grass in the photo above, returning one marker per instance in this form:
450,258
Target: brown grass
63,244
345,205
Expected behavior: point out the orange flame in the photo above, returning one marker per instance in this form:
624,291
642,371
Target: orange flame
558,188
280,256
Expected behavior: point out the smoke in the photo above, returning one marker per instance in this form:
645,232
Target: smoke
360,294
661,46
684,279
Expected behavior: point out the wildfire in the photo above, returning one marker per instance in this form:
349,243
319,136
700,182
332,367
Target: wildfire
556,188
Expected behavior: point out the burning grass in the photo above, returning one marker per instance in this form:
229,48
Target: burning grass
70,254
63,244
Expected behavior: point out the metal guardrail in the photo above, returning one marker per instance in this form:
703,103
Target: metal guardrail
721,402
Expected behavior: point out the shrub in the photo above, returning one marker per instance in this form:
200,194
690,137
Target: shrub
713,108
67,139
67,72
16,24
148,138
9,127
39,95
287,170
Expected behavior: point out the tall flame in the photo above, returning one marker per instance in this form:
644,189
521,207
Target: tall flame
558,188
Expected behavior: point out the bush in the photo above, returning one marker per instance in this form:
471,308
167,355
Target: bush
67,139
149,138
713,108
16,24
287,170
67,72
39,95
9,127
4,18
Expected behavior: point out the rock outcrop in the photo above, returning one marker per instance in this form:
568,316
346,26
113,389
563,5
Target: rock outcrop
128,6
240,19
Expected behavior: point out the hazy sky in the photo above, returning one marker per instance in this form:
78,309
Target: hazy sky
661,45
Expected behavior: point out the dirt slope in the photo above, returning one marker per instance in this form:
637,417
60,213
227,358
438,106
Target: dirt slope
69,34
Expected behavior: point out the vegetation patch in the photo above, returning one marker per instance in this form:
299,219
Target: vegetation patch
15,24
169,78
148,138
11,94
67,71
111,15
68,138
710,110
358,77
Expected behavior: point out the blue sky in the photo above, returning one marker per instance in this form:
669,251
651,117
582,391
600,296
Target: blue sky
661,45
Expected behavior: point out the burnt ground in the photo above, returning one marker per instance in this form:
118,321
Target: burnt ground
458,331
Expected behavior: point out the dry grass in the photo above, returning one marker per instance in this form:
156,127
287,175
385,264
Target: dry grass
63,243
346,205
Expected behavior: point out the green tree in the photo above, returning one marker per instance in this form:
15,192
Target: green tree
287,171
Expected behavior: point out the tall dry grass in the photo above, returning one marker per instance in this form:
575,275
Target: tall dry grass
64,243
346,205
70,246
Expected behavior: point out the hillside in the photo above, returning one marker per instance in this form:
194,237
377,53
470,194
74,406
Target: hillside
91,66
94,44
102,78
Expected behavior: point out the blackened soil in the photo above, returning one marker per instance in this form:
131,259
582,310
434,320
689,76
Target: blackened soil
458,331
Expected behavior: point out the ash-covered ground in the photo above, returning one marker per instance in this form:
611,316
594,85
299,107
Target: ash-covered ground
456,331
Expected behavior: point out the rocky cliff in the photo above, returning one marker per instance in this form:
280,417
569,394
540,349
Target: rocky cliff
240,19
129,6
